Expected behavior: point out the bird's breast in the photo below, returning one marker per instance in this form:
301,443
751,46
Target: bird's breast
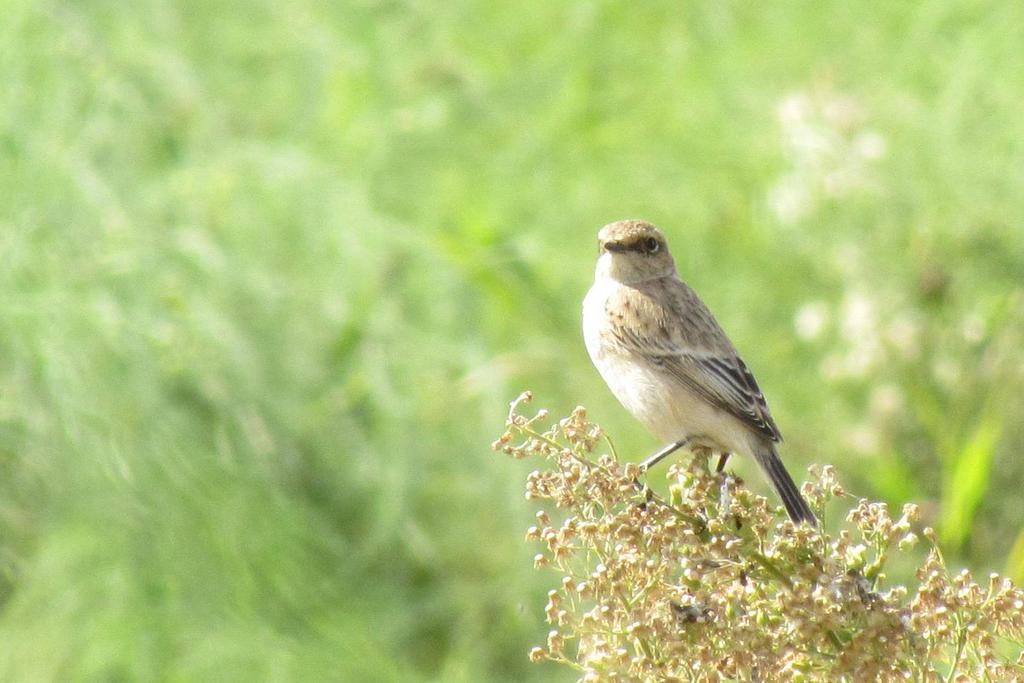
639,385
667,407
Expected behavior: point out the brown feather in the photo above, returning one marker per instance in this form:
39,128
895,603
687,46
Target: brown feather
684,339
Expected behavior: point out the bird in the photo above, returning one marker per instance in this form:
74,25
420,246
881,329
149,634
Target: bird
669,363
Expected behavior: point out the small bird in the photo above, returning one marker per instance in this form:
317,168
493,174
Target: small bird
669,363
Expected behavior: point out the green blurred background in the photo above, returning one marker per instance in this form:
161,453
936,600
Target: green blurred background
271,272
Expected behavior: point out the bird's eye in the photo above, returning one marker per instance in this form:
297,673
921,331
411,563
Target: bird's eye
651,245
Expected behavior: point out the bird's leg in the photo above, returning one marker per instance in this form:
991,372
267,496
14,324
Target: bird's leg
724,493
663,453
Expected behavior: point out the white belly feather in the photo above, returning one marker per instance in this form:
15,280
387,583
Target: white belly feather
664,405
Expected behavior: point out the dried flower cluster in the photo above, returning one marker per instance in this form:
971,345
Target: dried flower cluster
712,583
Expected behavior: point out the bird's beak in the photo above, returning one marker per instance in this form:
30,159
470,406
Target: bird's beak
615,246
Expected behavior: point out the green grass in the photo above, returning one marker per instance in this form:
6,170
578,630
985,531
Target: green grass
270,273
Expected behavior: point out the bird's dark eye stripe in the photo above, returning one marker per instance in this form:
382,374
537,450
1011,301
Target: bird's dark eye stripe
647,245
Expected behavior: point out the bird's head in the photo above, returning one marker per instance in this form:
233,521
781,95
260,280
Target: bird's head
633,251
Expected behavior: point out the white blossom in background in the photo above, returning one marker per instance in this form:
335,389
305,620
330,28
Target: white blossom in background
811,320
868,335
859,320
863,439
947,371
903,333
859,329
973,328
829,151
886,400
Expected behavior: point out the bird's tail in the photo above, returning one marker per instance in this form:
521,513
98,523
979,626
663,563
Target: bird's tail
796,506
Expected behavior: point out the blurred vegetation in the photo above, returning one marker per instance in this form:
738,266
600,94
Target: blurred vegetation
270,273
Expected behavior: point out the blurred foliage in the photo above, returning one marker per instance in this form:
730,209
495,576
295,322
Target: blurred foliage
271,271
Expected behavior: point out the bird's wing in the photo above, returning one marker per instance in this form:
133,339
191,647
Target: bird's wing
705,362
727,383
